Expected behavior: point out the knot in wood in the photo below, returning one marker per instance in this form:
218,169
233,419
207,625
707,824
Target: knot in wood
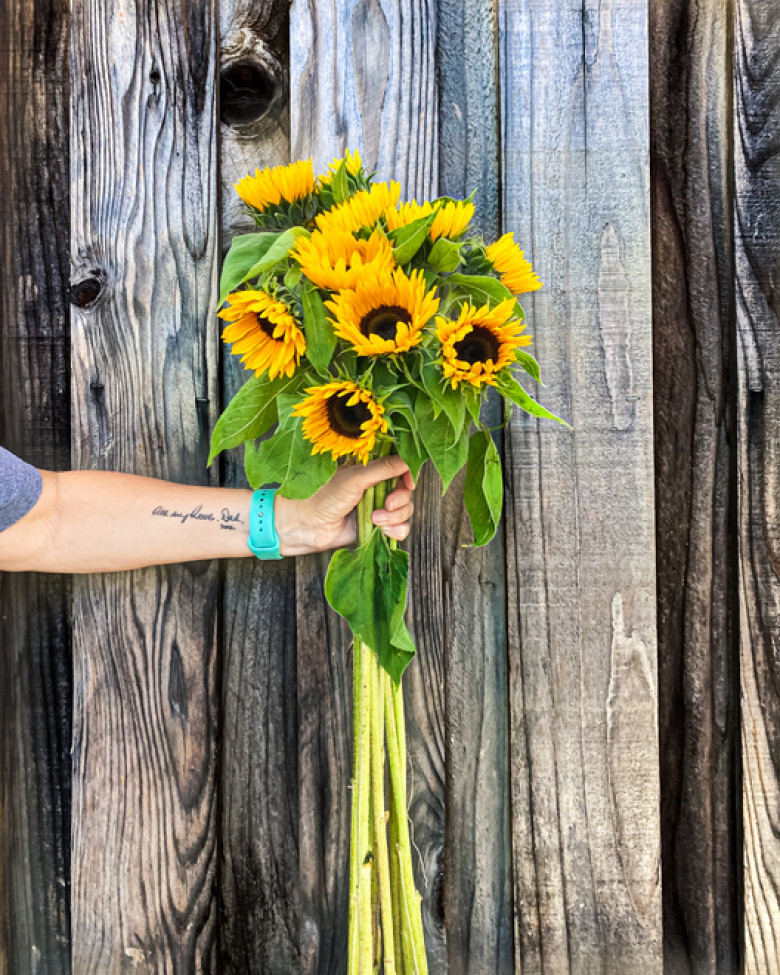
85,292
247,90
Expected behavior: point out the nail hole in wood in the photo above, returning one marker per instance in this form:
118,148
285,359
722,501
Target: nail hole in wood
246,91
155,77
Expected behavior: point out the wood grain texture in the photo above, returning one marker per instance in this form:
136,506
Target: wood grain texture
580,526
324,772
757,227
145,228
693,315
477,884
35,681
259,874
258,885
362,76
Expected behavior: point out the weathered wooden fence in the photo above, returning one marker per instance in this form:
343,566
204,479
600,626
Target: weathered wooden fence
174,763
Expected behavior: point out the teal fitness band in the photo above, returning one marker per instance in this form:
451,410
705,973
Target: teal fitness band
263,540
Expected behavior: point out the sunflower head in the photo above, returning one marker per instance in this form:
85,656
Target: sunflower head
480,343
361,211
263,332
279,195
384,315
451,220
353,163
342,418
516,272
337,259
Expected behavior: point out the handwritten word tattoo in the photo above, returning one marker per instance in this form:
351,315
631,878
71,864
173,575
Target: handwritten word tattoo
226,519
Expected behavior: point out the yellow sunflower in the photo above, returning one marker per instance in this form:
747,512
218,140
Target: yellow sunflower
354,165
361,210
263,332
451,219
516,272
342,418
336,260
480,343
280,184
384,315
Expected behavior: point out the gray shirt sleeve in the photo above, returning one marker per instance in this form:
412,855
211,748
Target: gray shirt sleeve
20,488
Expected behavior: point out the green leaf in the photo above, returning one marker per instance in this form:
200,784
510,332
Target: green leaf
246,250
444,396
445,255
277,252
509,388
340,185
320,337
531,366
409,239
409,449
251,412
483,491
481,288
286,458
293,278
367,586
446,448
473,400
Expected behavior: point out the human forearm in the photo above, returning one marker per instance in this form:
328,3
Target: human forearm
99,521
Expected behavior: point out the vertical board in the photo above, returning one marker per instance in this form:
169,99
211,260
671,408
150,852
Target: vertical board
144,391
258,879
756,232
35,684
362,77
693,314
477,876
581,569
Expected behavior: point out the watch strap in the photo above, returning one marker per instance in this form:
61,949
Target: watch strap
263,540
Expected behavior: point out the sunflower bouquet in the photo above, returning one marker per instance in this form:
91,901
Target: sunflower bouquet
372,326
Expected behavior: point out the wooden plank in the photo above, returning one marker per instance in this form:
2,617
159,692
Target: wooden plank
756,231
35,685
477,890
143,236
259,744
693,313
362,77
581,582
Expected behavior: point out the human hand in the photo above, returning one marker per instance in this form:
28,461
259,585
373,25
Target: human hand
328,519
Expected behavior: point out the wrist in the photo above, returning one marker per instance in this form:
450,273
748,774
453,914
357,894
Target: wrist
296,536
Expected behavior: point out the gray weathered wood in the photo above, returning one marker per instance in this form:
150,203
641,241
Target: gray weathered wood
258,757
362,76
757,225
35,686
144,228
693,315
477,884
581,583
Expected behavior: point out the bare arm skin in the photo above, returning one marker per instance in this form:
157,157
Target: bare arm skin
97,521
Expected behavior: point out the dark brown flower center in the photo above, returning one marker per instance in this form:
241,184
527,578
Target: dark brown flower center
347,420
265,326
480,345
384,321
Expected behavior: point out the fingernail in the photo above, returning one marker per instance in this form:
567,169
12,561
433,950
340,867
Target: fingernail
380,517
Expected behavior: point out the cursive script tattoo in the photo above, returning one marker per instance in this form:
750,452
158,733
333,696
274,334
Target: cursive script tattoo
227,519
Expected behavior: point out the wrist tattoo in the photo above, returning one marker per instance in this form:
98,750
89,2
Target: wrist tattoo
227,519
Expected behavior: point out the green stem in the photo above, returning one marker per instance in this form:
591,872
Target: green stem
382,859
412,942
360,881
